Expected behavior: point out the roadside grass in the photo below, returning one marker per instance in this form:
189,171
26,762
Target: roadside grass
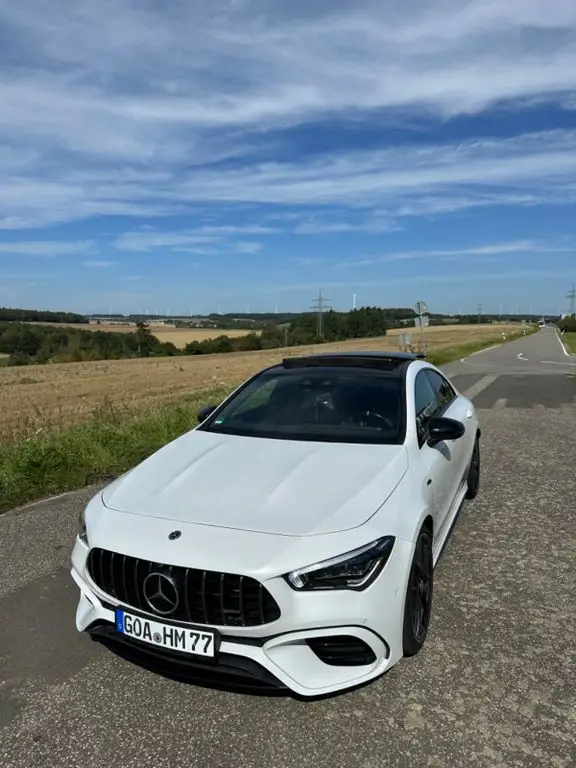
449,354
569,341
114,439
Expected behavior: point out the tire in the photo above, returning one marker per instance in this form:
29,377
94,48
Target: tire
473,480
418,603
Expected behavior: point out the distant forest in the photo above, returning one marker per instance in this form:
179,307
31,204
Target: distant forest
23,344
40,316
27,344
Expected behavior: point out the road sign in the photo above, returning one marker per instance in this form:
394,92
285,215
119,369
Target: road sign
420,308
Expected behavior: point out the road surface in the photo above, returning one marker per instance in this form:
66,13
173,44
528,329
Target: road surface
494,685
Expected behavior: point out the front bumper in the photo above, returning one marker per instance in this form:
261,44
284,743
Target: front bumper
275,655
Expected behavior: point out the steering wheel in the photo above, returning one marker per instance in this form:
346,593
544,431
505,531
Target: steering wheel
376,420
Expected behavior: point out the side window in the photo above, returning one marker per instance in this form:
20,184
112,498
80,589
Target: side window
252,398
425,401
444,392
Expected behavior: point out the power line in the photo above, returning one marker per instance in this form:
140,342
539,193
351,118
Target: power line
572,296
320,305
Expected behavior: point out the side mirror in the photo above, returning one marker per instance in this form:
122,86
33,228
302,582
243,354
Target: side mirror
442,428
203,413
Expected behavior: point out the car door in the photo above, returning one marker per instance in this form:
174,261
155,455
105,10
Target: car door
454,407
437,460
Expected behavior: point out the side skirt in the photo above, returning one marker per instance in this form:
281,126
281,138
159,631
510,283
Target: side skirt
440,543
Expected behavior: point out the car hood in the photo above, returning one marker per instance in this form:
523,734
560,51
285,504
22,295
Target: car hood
279,487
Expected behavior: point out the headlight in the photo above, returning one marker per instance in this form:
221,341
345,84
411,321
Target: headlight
354,570
82,533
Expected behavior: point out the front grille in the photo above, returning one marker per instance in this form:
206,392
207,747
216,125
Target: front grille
205,597
342,651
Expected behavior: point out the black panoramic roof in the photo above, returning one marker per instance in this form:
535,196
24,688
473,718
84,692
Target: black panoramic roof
354,359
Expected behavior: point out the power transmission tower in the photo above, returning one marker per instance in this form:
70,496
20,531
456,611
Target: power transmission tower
479,313
572,296
320,305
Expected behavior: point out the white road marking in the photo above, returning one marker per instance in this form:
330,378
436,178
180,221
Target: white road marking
555,362
520,356
480,351
481,385
500,403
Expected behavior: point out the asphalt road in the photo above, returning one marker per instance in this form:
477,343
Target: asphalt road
494,685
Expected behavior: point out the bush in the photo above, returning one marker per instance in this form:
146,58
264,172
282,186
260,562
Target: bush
19,358
568,324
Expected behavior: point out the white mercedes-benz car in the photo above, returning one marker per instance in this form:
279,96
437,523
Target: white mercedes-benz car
289,539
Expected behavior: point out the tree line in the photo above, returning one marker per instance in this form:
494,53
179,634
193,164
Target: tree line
40,316
365,322
27,344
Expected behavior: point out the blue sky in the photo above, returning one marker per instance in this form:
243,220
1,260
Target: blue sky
241,154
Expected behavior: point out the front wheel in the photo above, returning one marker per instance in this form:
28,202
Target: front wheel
473,480
418,605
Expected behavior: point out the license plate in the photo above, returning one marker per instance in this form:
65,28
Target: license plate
173,637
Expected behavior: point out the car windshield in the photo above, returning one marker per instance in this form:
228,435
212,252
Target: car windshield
326,405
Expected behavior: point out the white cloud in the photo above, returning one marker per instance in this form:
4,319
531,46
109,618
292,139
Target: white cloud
250,64
248,229
99,264
9,277
131,107
526,170
193,241
248,247
537,274
326,226
537,161
487,252
46,248
309,261
147,241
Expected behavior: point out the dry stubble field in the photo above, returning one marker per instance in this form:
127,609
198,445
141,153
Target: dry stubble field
178,336
42,397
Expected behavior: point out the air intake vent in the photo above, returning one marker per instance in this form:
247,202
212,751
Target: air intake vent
342,651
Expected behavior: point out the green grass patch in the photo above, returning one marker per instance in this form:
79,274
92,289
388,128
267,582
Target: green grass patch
111,442
569,341
114,440
449,354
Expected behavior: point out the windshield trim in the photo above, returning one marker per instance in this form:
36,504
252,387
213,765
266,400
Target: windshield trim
372,373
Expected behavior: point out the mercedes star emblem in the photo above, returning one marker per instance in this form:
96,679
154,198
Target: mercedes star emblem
174,535
161,593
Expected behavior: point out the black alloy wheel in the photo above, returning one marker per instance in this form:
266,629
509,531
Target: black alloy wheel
418,606
473,481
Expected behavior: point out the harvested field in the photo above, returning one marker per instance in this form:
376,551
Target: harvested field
41,397
182,336
178,336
